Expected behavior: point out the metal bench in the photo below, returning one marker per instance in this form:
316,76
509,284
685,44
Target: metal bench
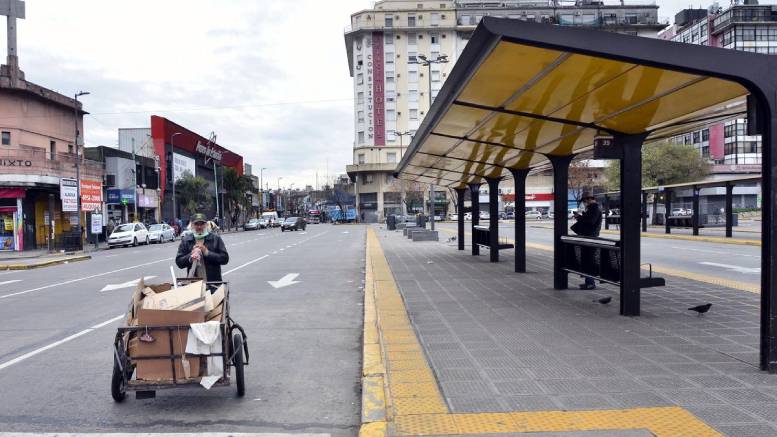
600,259
482,237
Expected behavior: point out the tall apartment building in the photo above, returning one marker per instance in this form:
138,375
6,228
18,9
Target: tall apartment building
392,92
744,26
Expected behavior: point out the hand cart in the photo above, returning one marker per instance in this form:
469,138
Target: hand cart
234,353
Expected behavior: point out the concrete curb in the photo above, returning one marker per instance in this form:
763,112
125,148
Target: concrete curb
44,263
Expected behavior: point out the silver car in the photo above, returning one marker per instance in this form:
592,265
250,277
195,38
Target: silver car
161,233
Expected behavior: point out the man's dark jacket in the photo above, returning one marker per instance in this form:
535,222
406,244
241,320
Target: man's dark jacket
217,255
590,221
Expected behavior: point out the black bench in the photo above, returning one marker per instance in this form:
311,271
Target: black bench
482,237
681,221
600,259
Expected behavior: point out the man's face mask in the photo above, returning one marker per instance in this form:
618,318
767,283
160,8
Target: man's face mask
200,231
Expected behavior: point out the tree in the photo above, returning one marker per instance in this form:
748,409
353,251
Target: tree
582,178
235,188
663,164
193,191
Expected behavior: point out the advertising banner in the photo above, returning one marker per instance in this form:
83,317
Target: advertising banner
91,195
68,192
181,165
97,223
120,197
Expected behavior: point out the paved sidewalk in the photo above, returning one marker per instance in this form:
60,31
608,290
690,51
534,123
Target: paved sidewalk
498,341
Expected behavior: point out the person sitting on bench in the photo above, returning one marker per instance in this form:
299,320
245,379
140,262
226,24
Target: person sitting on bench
588,224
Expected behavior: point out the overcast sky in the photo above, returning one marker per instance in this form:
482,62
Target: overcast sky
270,77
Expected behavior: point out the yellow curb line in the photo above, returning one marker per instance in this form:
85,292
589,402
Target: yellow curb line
44,263
714,280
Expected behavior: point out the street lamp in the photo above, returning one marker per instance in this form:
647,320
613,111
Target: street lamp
261,189
78,167
402,195
172,154
278,196
426,62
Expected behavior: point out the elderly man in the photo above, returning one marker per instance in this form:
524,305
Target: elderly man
203,250
589,223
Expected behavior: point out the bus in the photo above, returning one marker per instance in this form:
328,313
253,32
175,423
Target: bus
314,216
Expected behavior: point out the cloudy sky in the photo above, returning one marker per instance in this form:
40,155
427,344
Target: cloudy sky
270,77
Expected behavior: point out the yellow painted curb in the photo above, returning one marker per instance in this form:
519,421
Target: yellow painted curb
44,263
374,429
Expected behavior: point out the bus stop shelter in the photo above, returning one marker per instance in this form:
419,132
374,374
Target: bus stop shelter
523,94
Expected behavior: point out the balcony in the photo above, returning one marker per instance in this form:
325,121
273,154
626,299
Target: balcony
32,165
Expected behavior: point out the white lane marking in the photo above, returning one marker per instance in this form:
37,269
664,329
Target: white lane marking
346,232
738,269
128,284
10,282
57,343
275,252
82,279
246,264
285,281
110,256
716,251
303,233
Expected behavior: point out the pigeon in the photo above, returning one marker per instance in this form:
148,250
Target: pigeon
605,300
701,309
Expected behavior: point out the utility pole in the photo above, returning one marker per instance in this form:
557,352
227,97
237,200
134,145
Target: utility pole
134,180
261,189
78,166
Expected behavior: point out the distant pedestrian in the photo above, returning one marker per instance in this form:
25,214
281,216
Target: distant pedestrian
588,224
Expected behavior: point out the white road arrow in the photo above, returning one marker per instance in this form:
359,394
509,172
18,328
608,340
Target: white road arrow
111,287
738,269
285,281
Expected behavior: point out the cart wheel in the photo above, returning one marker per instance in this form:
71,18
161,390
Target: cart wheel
118,390
237,347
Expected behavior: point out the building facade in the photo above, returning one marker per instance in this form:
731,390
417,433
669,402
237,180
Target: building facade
393,90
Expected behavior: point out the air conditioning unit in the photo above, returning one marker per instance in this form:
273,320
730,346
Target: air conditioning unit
443,16
109,180
421,74
398,75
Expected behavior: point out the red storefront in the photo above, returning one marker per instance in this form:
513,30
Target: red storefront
184,150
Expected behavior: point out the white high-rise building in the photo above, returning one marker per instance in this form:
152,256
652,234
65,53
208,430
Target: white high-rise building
392,91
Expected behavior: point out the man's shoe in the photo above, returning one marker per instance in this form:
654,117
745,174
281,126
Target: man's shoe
587,287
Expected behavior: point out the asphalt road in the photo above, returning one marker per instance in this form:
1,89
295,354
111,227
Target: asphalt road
57,328
729,261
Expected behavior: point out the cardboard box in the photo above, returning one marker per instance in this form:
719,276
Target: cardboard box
216,314
138,295
161,369
189,297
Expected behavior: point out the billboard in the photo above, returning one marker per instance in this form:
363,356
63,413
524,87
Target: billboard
91,195
68,193
181,165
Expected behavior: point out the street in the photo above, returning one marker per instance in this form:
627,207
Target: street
58,326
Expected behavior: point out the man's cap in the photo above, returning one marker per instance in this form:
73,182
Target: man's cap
587,195
199,218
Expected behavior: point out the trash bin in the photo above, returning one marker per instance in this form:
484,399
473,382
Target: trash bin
391,222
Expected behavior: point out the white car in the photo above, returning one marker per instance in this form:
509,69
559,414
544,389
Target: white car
468,216
533,215
161,233
128,234
453,217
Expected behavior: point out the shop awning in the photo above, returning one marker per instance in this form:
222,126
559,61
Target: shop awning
522,91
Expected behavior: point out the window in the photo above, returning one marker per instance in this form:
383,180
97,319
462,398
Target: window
360,116
389,77
368,179
360,137
388,39
696,137
414,114
360,79
391,157
360,97
705,135
435,76
412,96
435,19
391,115
412,39
389,21
70,149
389,58
390,95
435,38
53,149
411,21
389,180
361,157
412,76
412,57
6,138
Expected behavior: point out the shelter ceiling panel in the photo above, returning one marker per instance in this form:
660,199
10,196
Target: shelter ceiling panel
505,70
482,152
571,80
460,120
505,129
438,145
708,93
577,140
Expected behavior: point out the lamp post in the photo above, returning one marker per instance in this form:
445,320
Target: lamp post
261,190
279,193
172,154
426,62
402,183
78,167
291,186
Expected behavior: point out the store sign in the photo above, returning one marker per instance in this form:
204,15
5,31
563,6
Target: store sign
120,197
181,165
209,151
97,223
68,193
91,195
15,163
147,200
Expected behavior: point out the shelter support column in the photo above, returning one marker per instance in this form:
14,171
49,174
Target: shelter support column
696,219
460,214
729,208
519,177
767,117
560,222
644,211
474,194
631,189
606,211
493,219
667,210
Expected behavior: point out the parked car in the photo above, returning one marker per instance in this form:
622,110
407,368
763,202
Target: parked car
468,216
128,234
252,225
485,215
507,215
293,224
438,218
264,223
453,217
533,215
550,214
161,233
572,212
